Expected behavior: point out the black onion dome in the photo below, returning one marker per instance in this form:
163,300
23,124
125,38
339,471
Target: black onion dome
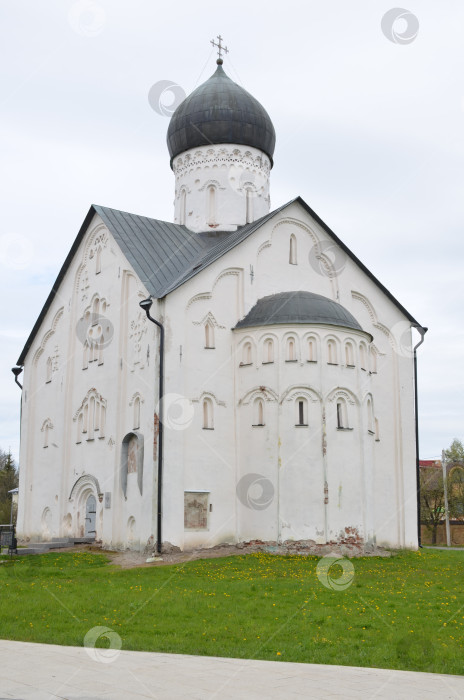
220,111
298,307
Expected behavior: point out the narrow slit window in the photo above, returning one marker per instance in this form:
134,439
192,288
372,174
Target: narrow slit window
340,415
247,356
249,205
269,351
183,207
136,413
100,350
98,261
291,354
97,415
49,370
209,335
259,412
370,417
211,205
349,355
80,426
91,418
46,428
312,350
85,359
292,254
208,415
301,406
332,352
362,356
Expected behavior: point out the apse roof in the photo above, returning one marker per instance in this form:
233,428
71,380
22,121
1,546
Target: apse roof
298,307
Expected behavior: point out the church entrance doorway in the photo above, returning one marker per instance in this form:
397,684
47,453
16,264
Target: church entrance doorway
90,516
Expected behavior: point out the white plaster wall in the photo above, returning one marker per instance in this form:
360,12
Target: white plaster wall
371,484
47,475
233,171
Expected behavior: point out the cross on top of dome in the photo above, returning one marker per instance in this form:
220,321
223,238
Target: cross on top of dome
220,48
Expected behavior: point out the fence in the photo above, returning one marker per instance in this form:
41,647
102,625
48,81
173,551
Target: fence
456,533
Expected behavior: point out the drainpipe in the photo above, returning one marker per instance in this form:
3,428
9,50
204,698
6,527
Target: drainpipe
17,371
422,332
146,305
324,468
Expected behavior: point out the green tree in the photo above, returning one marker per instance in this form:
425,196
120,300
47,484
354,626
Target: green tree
454,461
455,452
8,481
456,491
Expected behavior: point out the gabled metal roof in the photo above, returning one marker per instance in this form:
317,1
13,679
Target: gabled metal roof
166,255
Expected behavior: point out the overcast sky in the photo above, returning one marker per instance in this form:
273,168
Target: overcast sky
369,132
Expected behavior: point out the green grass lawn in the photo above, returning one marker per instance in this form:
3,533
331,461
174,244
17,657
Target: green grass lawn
404,612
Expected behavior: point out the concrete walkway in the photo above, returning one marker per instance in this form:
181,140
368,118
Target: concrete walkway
49,672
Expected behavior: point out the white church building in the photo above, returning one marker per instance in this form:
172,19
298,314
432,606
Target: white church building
286,368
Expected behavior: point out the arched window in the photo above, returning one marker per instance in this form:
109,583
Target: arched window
291,352
312,353
332,352
363,356
268,351
102,423
101,343
373,359
258,408
95,310
377,431
342,415
211,205
209,335
349,355
85,358
301,411
92,347
370,417
80,427
98,260
136,413
183,207
246,354
86,418
292,259
249,205
46,427
208,422
49,371
91,417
